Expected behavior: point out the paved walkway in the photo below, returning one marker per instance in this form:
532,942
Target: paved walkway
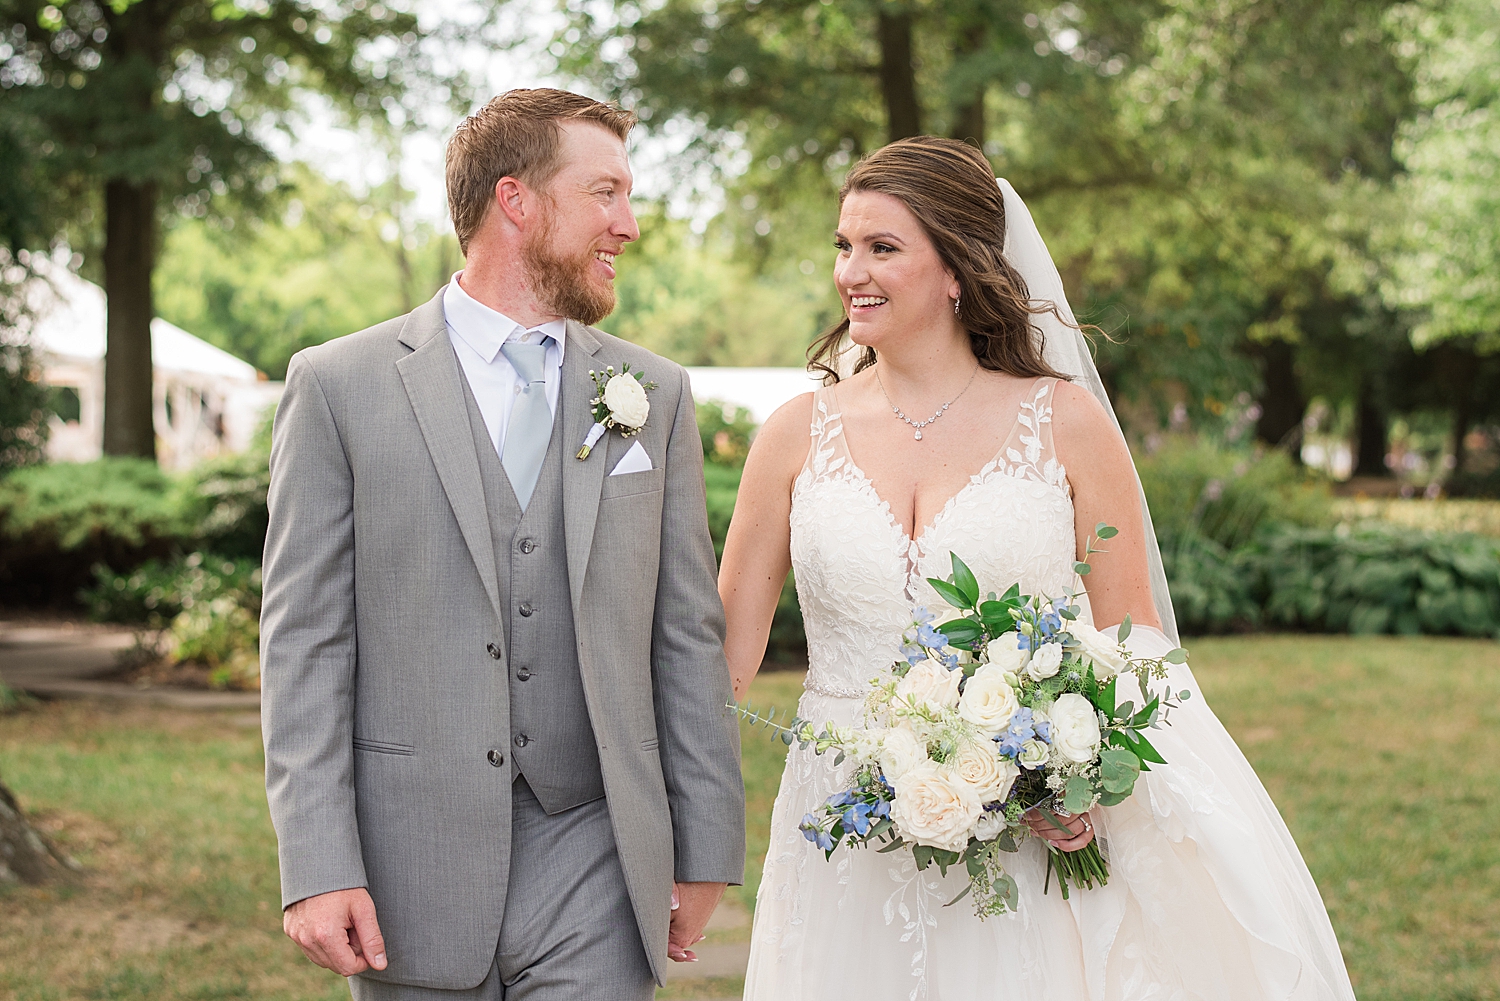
75,661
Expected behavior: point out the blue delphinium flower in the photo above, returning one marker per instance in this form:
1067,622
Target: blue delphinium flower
1021,730
930,637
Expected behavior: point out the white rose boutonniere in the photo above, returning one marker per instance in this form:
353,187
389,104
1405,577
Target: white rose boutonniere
620,403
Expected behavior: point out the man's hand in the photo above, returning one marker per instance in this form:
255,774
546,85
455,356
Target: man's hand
692,905
338,931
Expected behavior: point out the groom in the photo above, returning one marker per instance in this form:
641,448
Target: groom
497,753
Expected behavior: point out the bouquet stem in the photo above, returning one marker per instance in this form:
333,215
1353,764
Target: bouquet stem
1081,868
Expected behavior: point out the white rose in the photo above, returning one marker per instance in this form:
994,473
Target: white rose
1005,653
1034,754
626,400
988,701
900,752
979,766
991,824
1044,662
1075,728
1100,649
931,809
931,682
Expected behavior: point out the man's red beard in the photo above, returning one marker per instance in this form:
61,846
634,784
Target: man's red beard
565,285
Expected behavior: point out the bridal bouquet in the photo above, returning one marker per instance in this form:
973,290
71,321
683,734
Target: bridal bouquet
1007,708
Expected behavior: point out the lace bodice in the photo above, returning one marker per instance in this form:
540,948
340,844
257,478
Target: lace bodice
859,574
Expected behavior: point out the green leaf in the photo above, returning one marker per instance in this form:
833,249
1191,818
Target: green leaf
1143,749
1178,656
1105,697
1124,633
1119,769
1104,531
1013,594
961,632
1081,568
963,578
1076,794
950,594
1113,798
962,895
922,854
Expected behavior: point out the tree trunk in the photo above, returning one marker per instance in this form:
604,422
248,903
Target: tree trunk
1282,405
129,254
1370,431
25,855
898,77
968,109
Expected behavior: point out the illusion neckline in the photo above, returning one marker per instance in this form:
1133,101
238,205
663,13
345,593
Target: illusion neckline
885,506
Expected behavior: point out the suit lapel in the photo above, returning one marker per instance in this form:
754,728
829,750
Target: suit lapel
431,376
582,480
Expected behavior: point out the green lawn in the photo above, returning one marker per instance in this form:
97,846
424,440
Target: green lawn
1384,755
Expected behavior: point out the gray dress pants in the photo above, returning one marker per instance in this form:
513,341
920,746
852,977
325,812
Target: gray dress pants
569,932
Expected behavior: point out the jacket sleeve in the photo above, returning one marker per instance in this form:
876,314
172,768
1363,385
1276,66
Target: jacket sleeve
308,645
700,741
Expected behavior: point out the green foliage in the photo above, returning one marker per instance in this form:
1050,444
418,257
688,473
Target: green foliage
1448,237
726,432
157,591
1226,495
59,520
1379,581
325,263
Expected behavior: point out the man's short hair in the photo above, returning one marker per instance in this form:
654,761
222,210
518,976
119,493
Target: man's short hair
515,135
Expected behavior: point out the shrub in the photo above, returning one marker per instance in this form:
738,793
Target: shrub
1378,580
726,433
156,592
209,607
1212,588
57,521
224,499
1226,496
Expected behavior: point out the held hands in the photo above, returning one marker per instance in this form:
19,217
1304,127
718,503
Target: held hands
338,931
1080,830
692,905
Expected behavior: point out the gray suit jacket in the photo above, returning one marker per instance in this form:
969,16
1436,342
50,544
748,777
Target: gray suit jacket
382,697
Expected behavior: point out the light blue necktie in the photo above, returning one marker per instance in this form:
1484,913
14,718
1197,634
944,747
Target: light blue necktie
530,425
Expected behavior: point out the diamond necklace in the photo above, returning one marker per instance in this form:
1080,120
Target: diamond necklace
919,425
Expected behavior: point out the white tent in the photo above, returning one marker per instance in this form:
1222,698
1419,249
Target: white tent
205,400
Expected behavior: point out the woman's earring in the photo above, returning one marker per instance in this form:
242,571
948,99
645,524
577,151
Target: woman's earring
955,304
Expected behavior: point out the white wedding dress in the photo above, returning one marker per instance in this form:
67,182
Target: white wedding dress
1202,902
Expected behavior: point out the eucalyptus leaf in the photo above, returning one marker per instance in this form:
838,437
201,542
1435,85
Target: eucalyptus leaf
1178,656
1076,794
1081,568
1124,632
1104,531
1118,769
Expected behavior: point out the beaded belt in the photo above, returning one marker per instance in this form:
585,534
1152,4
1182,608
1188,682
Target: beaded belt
835,691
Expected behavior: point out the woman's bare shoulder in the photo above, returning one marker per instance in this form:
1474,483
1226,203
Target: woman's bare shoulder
1078,418
783,440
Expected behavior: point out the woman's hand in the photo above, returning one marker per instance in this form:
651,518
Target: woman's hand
1080,829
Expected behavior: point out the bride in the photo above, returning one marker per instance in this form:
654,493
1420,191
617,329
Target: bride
974,423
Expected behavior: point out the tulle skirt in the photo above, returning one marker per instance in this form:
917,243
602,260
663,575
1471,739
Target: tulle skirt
1208,896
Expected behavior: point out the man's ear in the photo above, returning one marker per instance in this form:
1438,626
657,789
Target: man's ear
514,200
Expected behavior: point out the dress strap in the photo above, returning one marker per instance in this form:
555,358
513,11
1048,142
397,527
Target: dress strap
829,452
1029,452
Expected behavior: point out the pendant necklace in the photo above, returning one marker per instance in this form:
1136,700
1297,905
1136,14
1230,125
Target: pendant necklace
919,425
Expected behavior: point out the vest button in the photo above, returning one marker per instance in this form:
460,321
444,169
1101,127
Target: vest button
526,609
492,650
496,758
522,740
527,546
523,675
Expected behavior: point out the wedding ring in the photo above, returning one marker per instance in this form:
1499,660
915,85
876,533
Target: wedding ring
1087,826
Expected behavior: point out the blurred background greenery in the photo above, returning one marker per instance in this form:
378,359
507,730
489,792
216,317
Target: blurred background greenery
1285,214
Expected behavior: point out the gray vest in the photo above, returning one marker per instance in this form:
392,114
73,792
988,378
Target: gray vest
552,740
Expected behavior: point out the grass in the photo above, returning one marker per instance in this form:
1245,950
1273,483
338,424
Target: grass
1383,754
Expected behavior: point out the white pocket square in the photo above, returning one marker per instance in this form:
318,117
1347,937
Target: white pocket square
635,461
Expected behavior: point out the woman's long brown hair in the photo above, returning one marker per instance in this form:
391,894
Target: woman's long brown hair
949,186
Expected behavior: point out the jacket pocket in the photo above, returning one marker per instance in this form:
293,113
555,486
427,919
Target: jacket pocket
382,747
650,745
628,484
